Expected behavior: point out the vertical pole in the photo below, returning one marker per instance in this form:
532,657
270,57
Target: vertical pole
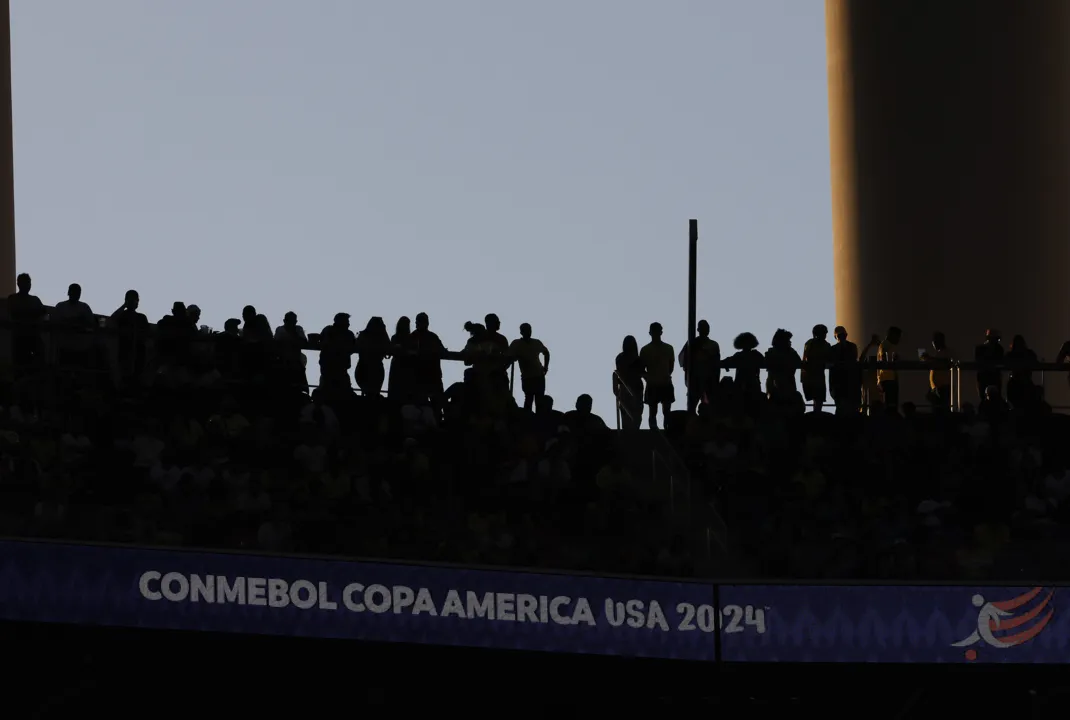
7,162
692,300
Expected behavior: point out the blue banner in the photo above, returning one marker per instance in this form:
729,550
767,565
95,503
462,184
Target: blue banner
136,587
899,624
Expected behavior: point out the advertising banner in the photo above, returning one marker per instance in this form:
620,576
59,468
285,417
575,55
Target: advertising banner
137,587
901,624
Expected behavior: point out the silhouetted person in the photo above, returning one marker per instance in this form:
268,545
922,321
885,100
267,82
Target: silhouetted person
781,362
72,312
992,407
290,334
428,368
290,341
867,359
337,345
989,354
373,344
498,347
887,379
534,361
229,348
582,419
816,355
174,333
255,326
940,375
27,312
747,360
658,359
706,367
401,381
547,420
628,384
132,328
845,374
1021,392
73,348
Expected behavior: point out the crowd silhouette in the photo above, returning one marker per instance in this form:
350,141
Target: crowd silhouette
113,428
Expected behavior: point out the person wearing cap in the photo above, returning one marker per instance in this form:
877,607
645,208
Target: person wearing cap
989,355
337,344
845,374
816,352
658,360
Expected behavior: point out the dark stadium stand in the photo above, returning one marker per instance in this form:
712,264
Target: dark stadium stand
167,478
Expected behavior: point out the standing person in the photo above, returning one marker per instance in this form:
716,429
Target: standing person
428,364
628,384
706,368
940,375
337,344
27,312
887,379
845,374
373,346
534,361
400,384
658,361
133,330
816,354
989,355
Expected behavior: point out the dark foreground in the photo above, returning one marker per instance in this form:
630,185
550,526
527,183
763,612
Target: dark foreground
59,671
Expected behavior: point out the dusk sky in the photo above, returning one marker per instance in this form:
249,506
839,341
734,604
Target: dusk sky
539,160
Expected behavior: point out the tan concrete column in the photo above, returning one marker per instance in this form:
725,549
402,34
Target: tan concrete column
949,123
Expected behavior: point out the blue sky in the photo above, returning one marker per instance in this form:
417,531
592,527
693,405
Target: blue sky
536,160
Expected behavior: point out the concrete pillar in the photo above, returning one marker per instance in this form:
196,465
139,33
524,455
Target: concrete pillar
949,123
7,163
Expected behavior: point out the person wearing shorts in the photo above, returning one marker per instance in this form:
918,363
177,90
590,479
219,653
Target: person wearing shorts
534,361
658,360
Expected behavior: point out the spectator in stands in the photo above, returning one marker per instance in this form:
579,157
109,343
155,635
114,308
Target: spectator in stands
73,349
888,379
628,384
290,333
1021,392
337,345
658,359
373,344
583,419
290,341
193,313
401,380
748,361
534,361
845,374
498,347
867,358
72,312
27,312
706,369
781,361
133,328
174,332
255,327
940,375
816,355
990,355
428,368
